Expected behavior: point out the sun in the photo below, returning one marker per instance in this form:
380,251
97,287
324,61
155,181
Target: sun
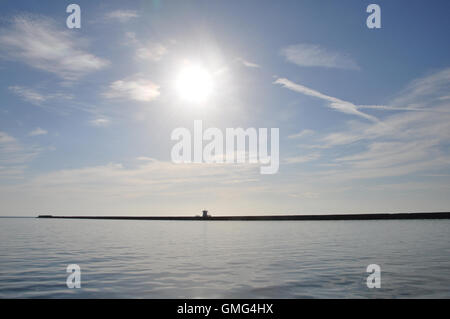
194,83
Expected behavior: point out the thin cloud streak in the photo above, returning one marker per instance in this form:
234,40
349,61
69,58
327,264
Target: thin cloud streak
302,159
333,103
100,122
122,15
38,131
313,55
301,134
248,63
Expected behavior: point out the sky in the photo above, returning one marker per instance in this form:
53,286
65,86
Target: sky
86,115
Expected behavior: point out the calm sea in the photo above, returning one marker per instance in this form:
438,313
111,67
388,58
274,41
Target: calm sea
228,259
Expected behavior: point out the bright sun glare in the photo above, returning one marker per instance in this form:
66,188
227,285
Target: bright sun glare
194,84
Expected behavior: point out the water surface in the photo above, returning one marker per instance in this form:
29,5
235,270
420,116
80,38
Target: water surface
224,259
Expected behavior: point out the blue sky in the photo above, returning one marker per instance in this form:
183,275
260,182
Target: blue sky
86,114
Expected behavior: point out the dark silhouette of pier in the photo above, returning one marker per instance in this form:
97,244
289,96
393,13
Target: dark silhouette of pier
205,216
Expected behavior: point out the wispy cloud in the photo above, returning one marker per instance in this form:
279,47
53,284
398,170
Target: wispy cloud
248,63
403,143
301,134
423,91
310,195
36,97
28,94
333,102
151,51
149,174
302,159
116,186
14,156
5,138
42,44
135,88
122,15
37,131
407,144
100,122
313,55
145,159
